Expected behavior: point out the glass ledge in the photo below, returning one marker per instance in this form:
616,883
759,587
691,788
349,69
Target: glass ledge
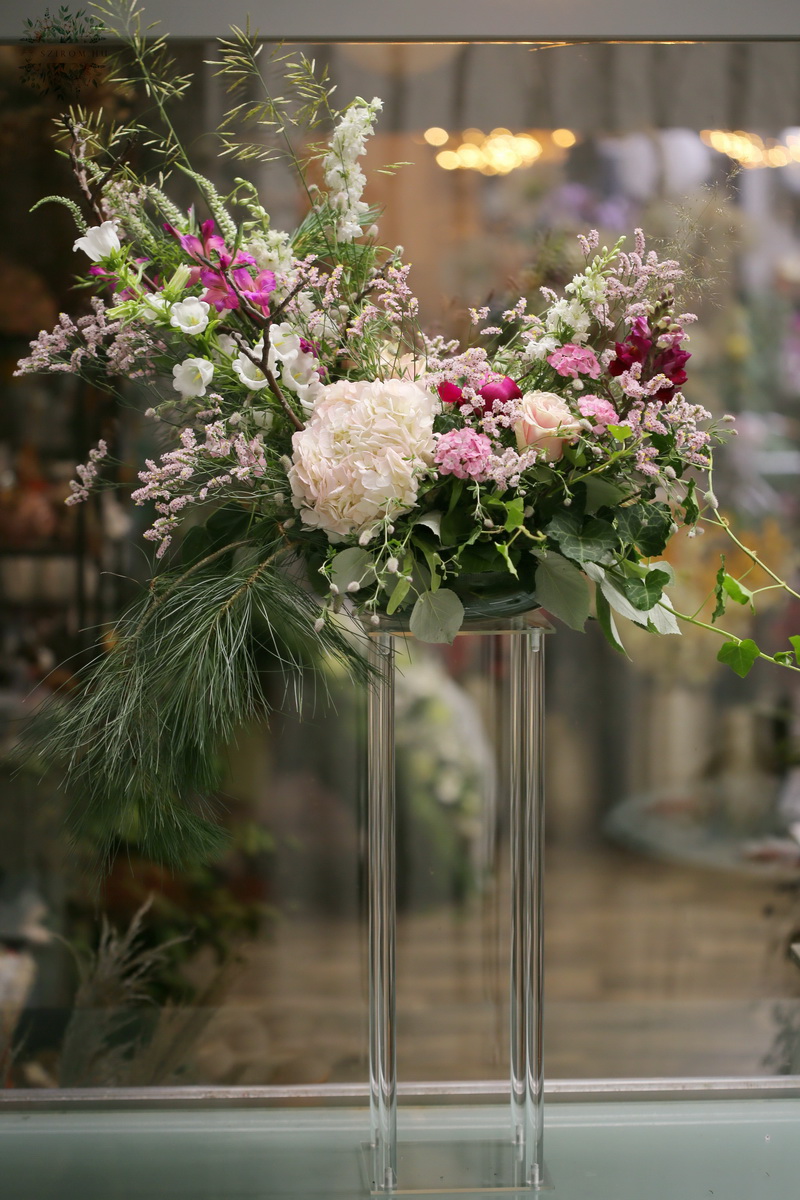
679,1149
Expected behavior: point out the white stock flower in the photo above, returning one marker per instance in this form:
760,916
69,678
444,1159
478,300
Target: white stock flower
590,287
192,376
272,251
190,316
572,314
99,241
538,349
360,458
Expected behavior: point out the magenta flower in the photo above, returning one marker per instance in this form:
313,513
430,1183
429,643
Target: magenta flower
572,361
601,410
494,387
463,453
639,349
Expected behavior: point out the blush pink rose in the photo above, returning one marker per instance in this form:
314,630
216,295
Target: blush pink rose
545,421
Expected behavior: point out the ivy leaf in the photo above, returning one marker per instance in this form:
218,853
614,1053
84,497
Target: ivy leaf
784,657
719,593
645,592
740,656
620,432
794,642
437,616
647,526
352,565
737,591
562,589
606,620
691,512
580,539
515,513
502,550
601,494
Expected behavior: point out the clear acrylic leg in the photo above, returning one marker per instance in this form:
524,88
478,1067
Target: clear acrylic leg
382,915
526,785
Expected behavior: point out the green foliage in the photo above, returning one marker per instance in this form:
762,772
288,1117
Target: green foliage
562,589
646,526
583,539
739,655
139,745
437,616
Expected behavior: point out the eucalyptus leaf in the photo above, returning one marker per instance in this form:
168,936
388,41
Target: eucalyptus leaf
437,616
562,589
399,593
352,565
433,521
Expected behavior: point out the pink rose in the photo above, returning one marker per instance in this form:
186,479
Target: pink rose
546,422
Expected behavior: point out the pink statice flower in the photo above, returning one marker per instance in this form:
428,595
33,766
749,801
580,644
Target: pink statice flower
602,411
570,361
463,453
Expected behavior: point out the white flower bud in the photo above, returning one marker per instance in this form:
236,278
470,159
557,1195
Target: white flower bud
353,586
318,624
365,538
374,619
392,566
711,499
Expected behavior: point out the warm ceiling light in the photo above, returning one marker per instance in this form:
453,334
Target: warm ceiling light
564,138
475,136
436,136
448,159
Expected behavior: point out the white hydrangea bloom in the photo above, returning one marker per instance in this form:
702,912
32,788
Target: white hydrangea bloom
361,456
344,178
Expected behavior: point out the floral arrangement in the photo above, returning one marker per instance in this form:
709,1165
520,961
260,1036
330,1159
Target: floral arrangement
327,454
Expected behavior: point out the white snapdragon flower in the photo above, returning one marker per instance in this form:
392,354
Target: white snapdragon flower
190,316
192,376
344,178
99,241
362,454
572,314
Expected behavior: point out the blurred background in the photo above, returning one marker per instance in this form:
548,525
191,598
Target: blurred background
673,788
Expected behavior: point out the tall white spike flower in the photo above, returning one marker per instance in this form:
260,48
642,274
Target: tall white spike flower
344,178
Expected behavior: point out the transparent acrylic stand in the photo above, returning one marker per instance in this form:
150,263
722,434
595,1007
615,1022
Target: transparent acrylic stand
464,1165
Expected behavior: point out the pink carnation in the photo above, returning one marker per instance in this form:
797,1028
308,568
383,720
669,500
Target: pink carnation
463,453
573,361
603,412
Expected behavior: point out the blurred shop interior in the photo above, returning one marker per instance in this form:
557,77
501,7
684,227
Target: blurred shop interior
673,788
